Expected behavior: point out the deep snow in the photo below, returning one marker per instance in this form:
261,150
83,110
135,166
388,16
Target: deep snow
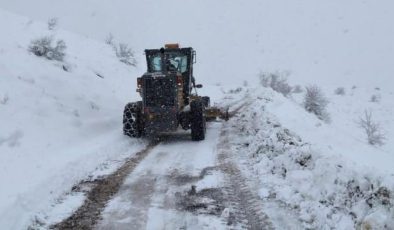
60,127
57,127
324,188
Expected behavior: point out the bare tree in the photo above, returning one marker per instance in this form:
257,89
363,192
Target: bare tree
375,136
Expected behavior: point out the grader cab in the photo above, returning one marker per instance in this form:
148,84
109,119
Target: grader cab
169,97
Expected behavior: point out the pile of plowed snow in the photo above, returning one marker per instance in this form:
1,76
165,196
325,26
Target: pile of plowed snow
324,189
59,120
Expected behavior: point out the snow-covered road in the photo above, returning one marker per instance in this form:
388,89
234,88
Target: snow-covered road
187,185
250,173
150,195
176,184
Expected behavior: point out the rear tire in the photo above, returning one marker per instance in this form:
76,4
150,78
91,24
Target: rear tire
207,101
132,120
198,122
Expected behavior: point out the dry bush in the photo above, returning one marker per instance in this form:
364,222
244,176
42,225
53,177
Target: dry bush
4,100
315,102
277,82
125,54
109,40
43,47
375,135
375,98
340,91
297,89
52,23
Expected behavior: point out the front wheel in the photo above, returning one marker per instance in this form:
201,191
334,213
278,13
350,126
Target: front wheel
132,120
198,122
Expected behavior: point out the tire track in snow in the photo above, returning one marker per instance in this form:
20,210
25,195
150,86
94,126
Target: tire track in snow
100,191
137,197
245,205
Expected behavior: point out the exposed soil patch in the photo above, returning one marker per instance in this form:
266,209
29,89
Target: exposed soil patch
206,201
98,193
182,179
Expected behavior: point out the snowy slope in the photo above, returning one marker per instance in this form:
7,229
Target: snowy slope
281,149
57,127
343,134
320,41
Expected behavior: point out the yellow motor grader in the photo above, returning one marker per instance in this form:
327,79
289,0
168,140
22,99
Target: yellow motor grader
169,97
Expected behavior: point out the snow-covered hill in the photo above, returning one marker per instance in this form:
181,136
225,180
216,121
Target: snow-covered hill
60,122
343,134
324,42
56,126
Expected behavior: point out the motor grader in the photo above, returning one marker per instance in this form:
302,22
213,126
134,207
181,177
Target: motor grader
169,97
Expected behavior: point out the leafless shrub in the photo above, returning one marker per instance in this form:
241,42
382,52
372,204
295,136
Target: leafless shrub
234,91
315,102
125,54
5,99
340,91
375,136
277,82
43,47
375,98
109,40
122,51
297,89
52,23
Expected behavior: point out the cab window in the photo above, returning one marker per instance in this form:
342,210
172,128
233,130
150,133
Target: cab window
155,63
177,62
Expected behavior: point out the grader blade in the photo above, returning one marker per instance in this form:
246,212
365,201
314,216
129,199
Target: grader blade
213,112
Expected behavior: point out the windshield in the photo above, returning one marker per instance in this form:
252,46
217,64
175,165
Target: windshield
173,62
177,62
155,63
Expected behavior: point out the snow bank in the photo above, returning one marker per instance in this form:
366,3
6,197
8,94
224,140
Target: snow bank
342,135
324,188
59,120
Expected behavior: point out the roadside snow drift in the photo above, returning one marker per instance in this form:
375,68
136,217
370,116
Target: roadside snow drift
325,189
59,120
